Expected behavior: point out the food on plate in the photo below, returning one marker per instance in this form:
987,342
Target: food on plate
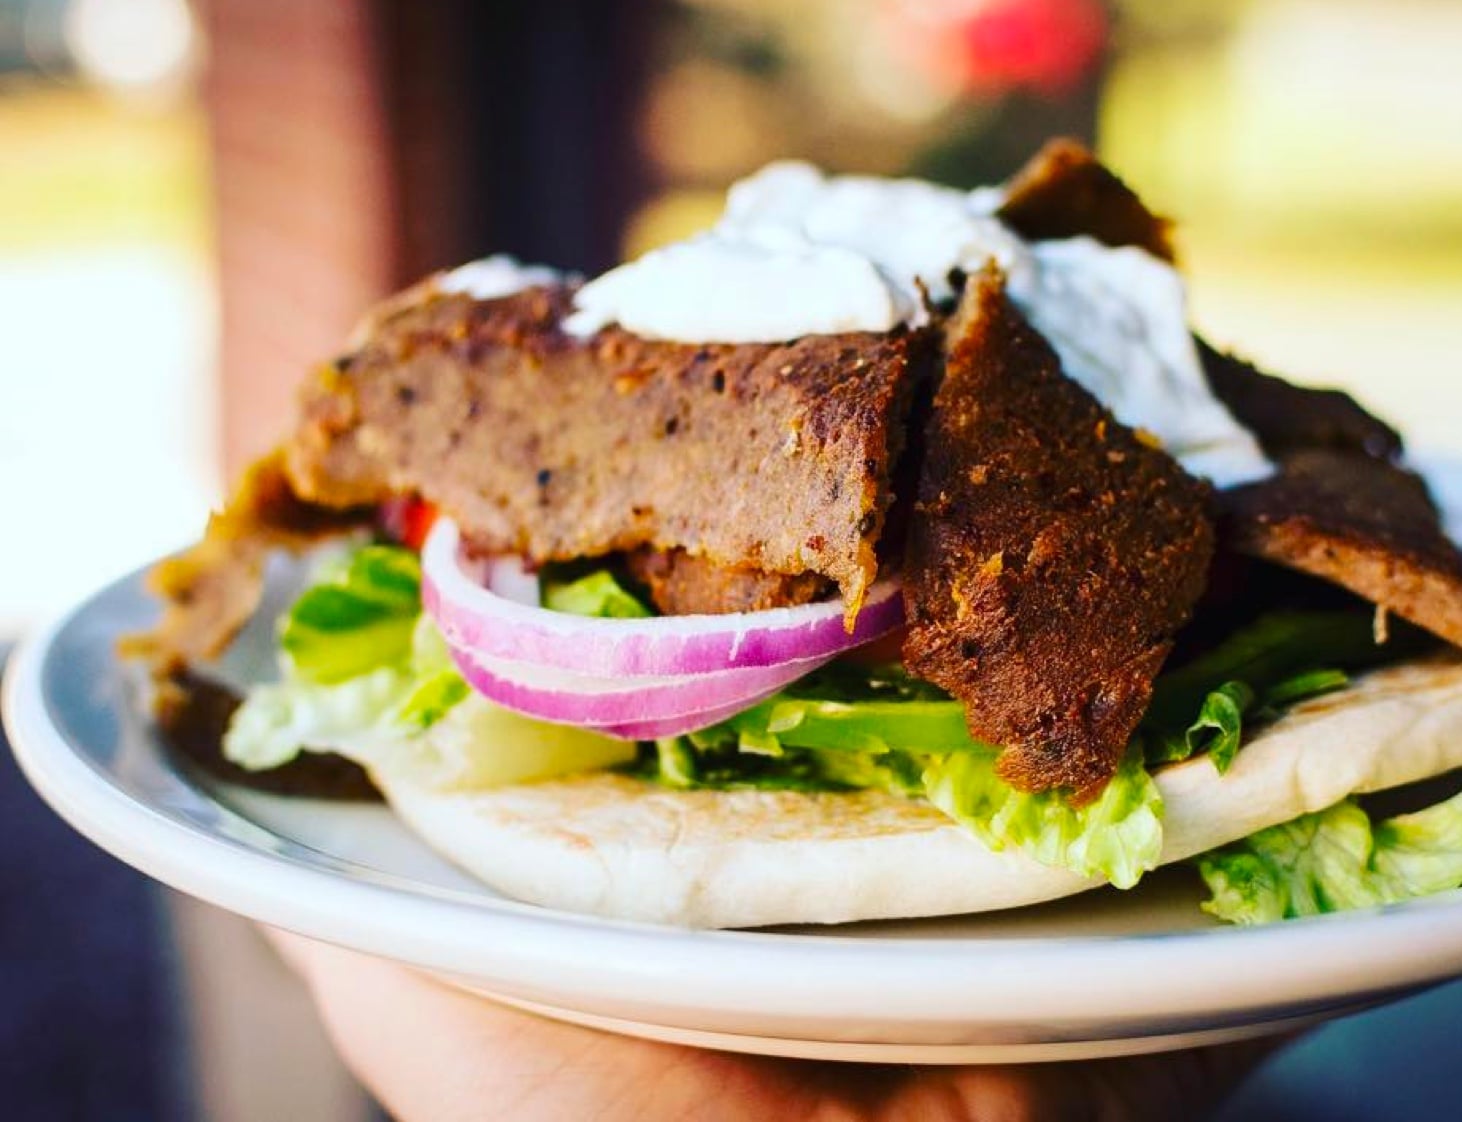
886,550
1053,557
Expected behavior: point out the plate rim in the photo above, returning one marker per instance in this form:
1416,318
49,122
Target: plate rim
531,952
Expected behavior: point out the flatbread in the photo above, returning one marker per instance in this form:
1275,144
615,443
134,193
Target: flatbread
614,846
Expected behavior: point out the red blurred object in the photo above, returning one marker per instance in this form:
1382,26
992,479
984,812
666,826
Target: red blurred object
994,46
409,521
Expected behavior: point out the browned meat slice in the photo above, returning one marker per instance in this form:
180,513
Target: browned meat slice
1288,418
210,591
769,456
683,585
1052,557
1360,522
1064,191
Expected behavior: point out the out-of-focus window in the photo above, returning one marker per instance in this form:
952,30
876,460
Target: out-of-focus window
106,308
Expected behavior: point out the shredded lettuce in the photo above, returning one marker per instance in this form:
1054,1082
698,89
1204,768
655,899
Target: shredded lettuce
432,698
1335,860
470,744
367,675
854,727
413,688
726,766
279,719
849,727
843,708
1266,653
1118,836
1254,675
596,594
359,663
358,617
1218,729
1301,687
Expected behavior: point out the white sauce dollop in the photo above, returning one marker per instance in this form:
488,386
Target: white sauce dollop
800,253
494,277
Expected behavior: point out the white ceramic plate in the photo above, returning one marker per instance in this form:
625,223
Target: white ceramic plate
1104,974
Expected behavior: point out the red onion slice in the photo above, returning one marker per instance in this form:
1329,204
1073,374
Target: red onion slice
681,704
674,726
486,622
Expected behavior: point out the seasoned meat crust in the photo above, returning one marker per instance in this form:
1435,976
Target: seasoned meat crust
682,585
1339,508
553,447
1288,418
211,590
1366,525
1052,555
1063,191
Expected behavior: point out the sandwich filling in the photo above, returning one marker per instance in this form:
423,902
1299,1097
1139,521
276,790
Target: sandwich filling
875,485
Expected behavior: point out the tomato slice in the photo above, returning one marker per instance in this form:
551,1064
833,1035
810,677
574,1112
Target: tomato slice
408,520
416,523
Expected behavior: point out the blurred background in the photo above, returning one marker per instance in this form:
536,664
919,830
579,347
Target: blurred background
197,200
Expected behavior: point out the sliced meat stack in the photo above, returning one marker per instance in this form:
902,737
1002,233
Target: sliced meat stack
774,458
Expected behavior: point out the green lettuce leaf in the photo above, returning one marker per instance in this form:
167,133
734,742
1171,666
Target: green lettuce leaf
1269,652
907,737
870,727
1254,675
432,698
676,763
1302,687
359,616
1335,860
679,763
1217,730
849,709
471,744
359,662
367,675
597,594
279,719
1118,836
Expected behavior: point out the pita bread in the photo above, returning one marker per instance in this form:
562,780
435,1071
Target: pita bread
619,847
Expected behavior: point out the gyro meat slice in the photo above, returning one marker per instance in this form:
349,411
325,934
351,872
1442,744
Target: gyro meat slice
211,590
682,585
1287,418
772,457
1052,557
1362,523
1064,191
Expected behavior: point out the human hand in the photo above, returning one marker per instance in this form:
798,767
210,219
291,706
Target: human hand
430,1053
